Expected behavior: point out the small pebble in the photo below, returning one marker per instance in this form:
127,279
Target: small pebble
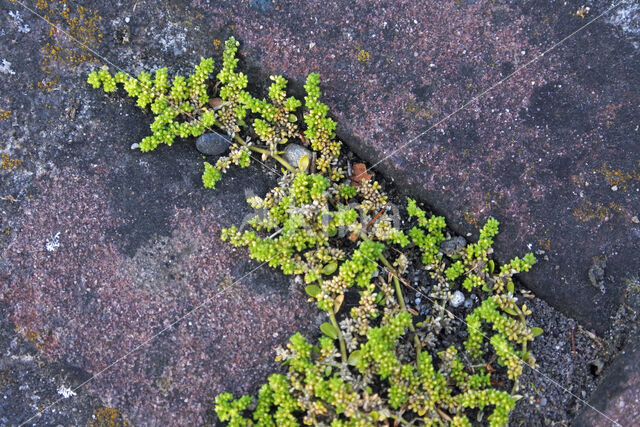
213,143
468,303
543,401
614,188
471,301
451,246
457,299
294,152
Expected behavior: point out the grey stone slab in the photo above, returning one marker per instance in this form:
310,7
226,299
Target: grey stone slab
617,399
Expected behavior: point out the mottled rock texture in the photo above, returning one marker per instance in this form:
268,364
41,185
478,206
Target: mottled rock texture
617,398
552,153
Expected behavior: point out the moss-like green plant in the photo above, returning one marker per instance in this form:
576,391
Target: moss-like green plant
375,362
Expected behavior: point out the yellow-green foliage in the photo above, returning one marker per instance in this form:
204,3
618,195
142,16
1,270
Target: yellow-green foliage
375,363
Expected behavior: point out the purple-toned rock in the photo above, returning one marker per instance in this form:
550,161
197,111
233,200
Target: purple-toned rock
617,400
134,244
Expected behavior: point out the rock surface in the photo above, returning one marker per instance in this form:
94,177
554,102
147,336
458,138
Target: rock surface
27,381
540,151
617,398
451,246
110,258
137,235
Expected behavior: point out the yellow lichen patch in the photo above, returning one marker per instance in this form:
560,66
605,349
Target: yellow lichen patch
596,211
32,336
545,244
217,44
47,85
4,114
582,11
164,384
608,114
81,23
470,218
108,417
8,163
363,56
414,109
619,178
6,379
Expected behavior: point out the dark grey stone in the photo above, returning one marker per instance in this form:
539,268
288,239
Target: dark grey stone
616,399
451,246
213,144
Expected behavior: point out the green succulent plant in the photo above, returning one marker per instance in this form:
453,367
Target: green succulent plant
377,361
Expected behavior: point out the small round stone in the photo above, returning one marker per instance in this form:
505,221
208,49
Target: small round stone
457,299
294,152
213,143
468,303
451,246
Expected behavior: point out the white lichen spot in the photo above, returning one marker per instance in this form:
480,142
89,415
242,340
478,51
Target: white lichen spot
53,243
5,67
17,20
173,39
65,391
626,17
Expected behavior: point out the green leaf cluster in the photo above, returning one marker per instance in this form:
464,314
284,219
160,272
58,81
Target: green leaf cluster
179,108
375,363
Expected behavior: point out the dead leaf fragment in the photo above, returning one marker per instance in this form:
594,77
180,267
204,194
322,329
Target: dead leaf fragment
360,174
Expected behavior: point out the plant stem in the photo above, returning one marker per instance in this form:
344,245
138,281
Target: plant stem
396,283
343,346
389,267
277,157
